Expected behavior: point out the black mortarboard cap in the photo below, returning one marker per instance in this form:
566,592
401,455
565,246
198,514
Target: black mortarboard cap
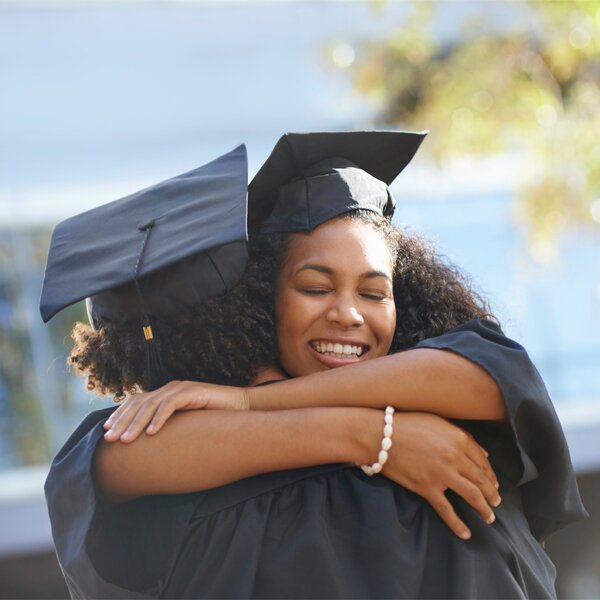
156,253
182,241
310,178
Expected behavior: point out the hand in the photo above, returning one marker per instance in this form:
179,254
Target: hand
430,455
152,409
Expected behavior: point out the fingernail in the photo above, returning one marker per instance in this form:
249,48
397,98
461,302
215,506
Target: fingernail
150,428
497,501
465,534
126,435
491,519
497,485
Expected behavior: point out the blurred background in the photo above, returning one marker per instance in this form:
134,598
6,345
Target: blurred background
100,98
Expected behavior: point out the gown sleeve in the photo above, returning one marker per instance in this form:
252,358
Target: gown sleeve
545,475
101,547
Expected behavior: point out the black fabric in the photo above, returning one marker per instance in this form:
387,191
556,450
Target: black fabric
333,532
187,234
310,178
330,531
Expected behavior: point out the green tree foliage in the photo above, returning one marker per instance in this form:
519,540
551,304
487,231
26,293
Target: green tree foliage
532,90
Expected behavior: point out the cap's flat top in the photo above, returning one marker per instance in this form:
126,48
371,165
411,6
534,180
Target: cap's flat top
193,212
381,154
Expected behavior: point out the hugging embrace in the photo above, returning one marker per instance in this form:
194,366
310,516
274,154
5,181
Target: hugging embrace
311,403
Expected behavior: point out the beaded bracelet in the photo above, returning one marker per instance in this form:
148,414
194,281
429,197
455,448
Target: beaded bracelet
386,443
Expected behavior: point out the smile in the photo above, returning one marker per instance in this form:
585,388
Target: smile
338,350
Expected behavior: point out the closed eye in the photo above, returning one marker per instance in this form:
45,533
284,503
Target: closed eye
315,292
374,296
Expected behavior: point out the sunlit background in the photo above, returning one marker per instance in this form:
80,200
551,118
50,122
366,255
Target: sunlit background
99,98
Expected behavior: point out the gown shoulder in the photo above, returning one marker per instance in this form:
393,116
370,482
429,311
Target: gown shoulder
536,444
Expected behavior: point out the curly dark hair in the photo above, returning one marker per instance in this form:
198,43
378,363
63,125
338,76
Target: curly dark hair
229,338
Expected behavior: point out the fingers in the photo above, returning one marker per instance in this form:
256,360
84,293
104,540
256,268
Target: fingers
147,411
124,415
139,414
479,456
115,414
151,410
481,480
473,495
140,420
446,512
161,415
128,421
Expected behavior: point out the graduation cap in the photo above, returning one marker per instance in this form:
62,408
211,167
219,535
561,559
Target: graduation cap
156,253
310,178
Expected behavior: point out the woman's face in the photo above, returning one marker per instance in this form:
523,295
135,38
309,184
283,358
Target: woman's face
335,304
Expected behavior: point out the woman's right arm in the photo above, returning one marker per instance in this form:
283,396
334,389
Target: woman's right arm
200,450
203,449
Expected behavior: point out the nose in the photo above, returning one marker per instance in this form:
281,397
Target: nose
345,313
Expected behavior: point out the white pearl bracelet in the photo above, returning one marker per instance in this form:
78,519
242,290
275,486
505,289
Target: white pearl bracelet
386,443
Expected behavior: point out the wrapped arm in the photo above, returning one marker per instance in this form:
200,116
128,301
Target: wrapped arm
99,544
549,489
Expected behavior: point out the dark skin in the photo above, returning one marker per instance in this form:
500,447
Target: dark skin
337,409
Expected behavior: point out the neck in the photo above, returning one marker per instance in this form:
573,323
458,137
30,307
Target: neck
267,373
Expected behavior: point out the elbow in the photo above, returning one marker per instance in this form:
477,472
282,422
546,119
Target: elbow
483,391
495,403
501,414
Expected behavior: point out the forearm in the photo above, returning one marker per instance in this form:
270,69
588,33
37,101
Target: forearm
429,380
203,449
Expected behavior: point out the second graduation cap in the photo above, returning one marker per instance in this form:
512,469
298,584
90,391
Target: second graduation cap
157,252
310,178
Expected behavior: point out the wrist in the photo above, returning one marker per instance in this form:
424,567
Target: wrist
386,444
366,434
251,398
261,398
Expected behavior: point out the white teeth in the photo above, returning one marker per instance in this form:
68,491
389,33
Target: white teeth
338,350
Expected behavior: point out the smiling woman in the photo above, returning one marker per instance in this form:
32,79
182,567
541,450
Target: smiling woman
335,308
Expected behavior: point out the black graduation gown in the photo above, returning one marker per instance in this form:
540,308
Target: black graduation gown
330,531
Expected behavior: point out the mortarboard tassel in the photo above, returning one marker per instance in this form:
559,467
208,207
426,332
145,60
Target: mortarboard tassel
155,369
157,373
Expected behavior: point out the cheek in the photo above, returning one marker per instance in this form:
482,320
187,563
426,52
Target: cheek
386,327
289,329
280,316
288,318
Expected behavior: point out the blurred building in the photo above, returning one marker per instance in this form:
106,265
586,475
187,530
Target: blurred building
102,98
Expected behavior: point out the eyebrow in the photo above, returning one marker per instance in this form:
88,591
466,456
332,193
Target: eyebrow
330,271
